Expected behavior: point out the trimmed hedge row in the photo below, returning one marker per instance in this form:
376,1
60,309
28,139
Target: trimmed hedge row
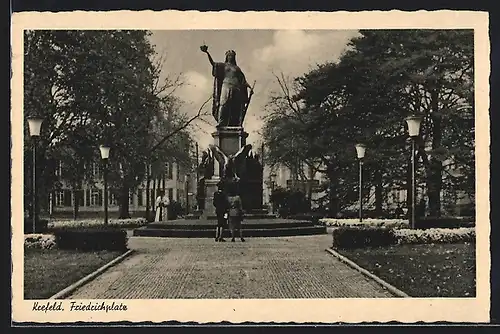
92,239
353,237
444,222
356,237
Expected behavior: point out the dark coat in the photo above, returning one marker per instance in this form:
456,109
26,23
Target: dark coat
220,202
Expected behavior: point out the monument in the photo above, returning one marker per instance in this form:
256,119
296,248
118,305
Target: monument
230,158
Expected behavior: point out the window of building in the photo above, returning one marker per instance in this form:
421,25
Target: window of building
96,170
139,197
59,198
131,198
112,198
94,197
170,173
58,170
170,194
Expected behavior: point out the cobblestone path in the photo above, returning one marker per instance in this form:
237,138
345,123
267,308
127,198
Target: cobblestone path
287,267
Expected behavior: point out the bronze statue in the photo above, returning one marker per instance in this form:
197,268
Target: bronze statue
233,166
230,94
206,166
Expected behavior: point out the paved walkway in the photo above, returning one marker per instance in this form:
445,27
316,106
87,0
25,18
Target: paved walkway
287,267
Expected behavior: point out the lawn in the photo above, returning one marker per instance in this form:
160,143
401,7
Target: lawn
425,270
47,272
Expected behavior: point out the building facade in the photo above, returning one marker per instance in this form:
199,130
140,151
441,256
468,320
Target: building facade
176,183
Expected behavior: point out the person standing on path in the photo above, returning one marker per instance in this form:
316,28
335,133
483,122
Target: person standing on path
221,205
159,207
235,213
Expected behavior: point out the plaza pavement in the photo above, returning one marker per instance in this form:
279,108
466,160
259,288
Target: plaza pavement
284,267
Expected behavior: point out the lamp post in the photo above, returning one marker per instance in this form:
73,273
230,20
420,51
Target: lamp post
105,155
360,151
187,193
35,124
272,178
413,131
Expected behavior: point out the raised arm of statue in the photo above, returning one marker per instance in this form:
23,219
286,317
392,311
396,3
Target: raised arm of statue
204,49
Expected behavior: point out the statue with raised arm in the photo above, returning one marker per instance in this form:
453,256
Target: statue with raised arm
230,92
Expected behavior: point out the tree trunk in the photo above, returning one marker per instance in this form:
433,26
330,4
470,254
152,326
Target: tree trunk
435,167
124,201
333,199
153,198
148,184
76,199
409,194
309,187
379,190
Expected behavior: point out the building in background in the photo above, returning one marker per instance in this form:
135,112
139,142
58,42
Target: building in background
91,198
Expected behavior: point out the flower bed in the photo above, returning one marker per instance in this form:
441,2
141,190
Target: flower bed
383,223
39,241
89,223
435,235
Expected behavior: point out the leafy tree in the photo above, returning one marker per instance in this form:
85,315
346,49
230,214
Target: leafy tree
92,88
383,77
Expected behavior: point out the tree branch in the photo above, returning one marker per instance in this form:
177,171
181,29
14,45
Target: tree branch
182,127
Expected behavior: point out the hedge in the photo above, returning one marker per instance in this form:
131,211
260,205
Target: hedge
86,239
352,237
97,223
39,241
359,237
444,222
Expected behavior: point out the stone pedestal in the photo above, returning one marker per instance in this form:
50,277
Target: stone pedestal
230,138
210,189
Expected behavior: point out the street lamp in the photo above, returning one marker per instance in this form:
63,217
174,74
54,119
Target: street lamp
413,131
105,155
34,123
272,178
360,151
187,193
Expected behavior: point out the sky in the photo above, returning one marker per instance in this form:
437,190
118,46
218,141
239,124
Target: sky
259,53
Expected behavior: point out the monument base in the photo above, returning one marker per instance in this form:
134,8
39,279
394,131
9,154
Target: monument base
210,189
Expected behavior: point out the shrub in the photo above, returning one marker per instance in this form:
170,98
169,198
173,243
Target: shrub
41,225
94,239
97,223
435,235
174,209
39,241
444,222
353,237
382,223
